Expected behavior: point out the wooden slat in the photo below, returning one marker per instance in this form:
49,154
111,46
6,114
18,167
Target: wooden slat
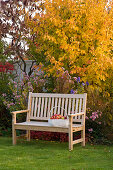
39,118
84,109
20,111
77,141
29,101
39,103
59,106
29,106
80,105
49,104
45,107
69,107
32,109
62,108
84,103
66,102
35,107
55,106
42,128
76,110
52,105
42,107
73,105
59,95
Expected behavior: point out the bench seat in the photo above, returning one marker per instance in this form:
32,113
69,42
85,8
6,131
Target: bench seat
45,126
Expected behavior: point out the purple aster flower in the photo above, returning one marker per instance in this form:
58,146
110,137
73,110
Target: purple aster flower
83,84
78,79
87,83
72,91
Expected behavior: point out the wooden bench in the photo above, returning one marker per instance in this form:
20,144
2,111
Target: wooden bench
41,106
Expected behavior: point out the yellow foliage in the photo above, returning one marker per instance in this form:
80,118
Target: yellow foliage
75,35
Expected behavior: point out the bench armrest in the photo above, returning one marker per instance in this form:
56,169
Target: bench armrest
14,115
20,111
76,114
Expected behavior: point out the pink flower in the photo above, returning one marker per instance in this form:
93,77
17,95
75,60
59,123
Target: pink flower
75,78
87,117
8,105
90,130
99,123
4,94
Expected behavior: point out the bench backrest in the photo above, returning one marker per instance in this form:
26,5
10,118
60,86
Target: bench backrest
43,105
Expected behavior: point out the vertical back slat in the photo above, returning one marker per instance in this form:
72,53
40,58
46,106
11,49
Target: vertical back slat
32,109
39,103
45,108
55,106
73,105
62,107
59,105
84,104
49,104
76,110
52,105
69,107
35,107
42,107
80,105
66,102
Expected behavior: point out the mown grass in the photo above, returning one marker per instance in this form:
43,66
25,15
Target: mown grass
44,155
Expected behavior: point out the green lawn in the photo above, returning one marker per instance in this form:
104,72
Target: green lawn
43,155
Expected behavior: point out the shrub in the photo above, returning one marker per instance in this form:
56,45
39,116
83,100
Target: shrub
17,99
6,70
15,96
65,83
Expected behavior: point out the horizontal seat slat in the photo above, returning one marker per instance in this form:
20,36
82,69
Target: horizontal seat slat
42,128
37,123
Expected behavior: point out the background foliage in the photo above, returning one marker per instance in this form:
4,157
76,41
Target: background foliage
70,35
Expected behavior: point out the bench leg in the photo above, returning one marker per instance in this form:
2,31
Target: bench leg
70,141
28,135
83,136
70,134
14,135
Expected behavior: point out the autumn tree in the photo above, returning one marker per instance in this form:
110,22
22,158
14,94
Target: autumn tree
75,36
13,29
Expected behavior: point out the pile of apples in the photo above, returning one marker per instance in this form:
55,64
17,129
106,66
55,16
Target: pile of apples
58,116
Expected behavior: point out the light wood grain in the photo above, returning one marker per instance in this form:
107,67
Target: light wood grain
43,105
